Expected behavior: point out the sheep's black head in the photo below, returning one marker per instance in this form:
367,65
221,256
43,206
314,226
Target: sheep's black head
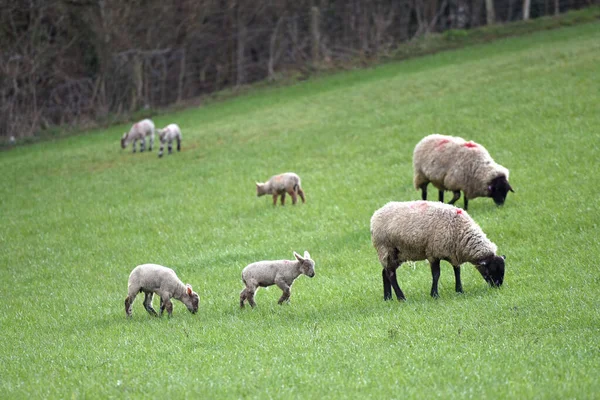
498,189
191,299
492,270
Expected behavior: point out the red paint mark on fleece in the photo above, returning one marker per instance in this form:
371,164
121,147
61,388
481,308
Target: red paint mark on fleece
442,142
470,144
459,211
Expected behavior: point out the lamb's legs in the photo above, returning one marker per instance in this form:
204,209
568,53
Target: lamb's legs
250,296
441,196
151,140
457,280
148,304
301,194
166,303
142,145
133,145
128,302
275,199
435,274
294,197
178,144
387,286
424,190
283,199
287,292
170,146
243,297
455,197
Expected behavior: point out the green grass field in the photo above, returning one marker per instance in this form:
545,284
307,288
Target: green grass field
78,214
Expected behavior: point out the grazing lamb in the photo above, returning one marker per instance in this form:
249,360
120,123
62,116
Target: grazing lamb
281,184
167,135
281,273
139,131
152,278
432,231
451,163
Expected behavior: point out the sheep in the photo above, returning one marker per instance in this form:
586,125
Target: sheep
167,135
279,185
139,131
451,163
153,278
281,273
432,231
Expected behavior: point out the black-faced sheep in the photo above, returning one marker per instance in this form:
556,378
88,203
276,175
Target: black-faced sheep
432,231
451,163
153,278
167,135
281,184
281,273
139,131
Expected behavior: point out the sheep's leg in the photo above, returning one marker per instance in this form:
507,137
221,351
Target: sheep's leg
243,297
170,145
148,304
301,194
161,149
151,142
393,278
128,302
435,274
466,202
250,291
166,303
457,280
424,190
455,197
275,199
134,143
441,196
178,144
387,286
389,261
287,291
142,145
162,306
294,197
283,199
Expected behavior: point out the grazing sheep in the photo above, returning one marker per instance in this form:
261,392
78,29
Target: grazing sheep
139,131
167,135
152,278
281,184
432,231
281,273
451,163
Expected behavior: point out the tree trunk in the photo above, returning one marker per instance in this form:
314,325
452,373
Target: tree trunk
526,6
489,12
314,33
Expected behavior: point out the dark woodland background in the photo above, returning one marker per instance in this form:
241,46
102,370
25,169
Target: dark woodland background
73,62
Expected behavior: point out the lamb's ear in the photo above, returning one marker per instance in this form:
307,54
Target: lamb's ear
510,187
298,257
188,289
257,184
306,255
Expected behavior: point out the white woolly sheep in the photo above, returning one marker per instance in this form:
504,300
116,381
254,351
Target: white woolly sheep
167,135
281,273
139,131
153,278
451,163
281,184
432,231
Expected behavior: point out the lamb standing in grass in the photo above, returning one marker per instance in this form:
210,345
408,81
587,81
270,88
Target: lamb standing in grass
139,131
167,135
152,278
281,273
432,231
281,184
451,163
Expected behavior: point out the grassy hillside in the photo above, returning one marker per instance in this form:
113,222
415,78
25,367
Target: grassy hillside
78,214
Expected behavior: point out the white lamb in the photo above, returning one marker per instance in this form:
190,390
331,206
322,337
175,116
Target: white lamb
153,278
279,185
432,231
281,273
167,135
451,163
139,131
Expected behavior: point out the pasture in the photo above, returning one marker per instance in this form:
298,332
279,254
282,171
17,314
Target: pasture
78,214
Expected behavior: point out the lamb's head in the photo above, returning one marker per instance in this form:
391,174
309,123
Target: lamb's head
261,190
498,189
307,265
162,135
190,299
124,140
492,270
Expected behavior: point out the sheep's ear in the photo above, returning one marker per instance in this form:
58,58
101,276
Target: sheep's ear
503,257
306,255
188,289
510,188
298,257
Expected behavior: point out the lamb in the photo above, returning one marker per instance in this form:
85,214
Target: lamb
167,135
281,184
281,273
432,231
153,278
451,163
139,131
